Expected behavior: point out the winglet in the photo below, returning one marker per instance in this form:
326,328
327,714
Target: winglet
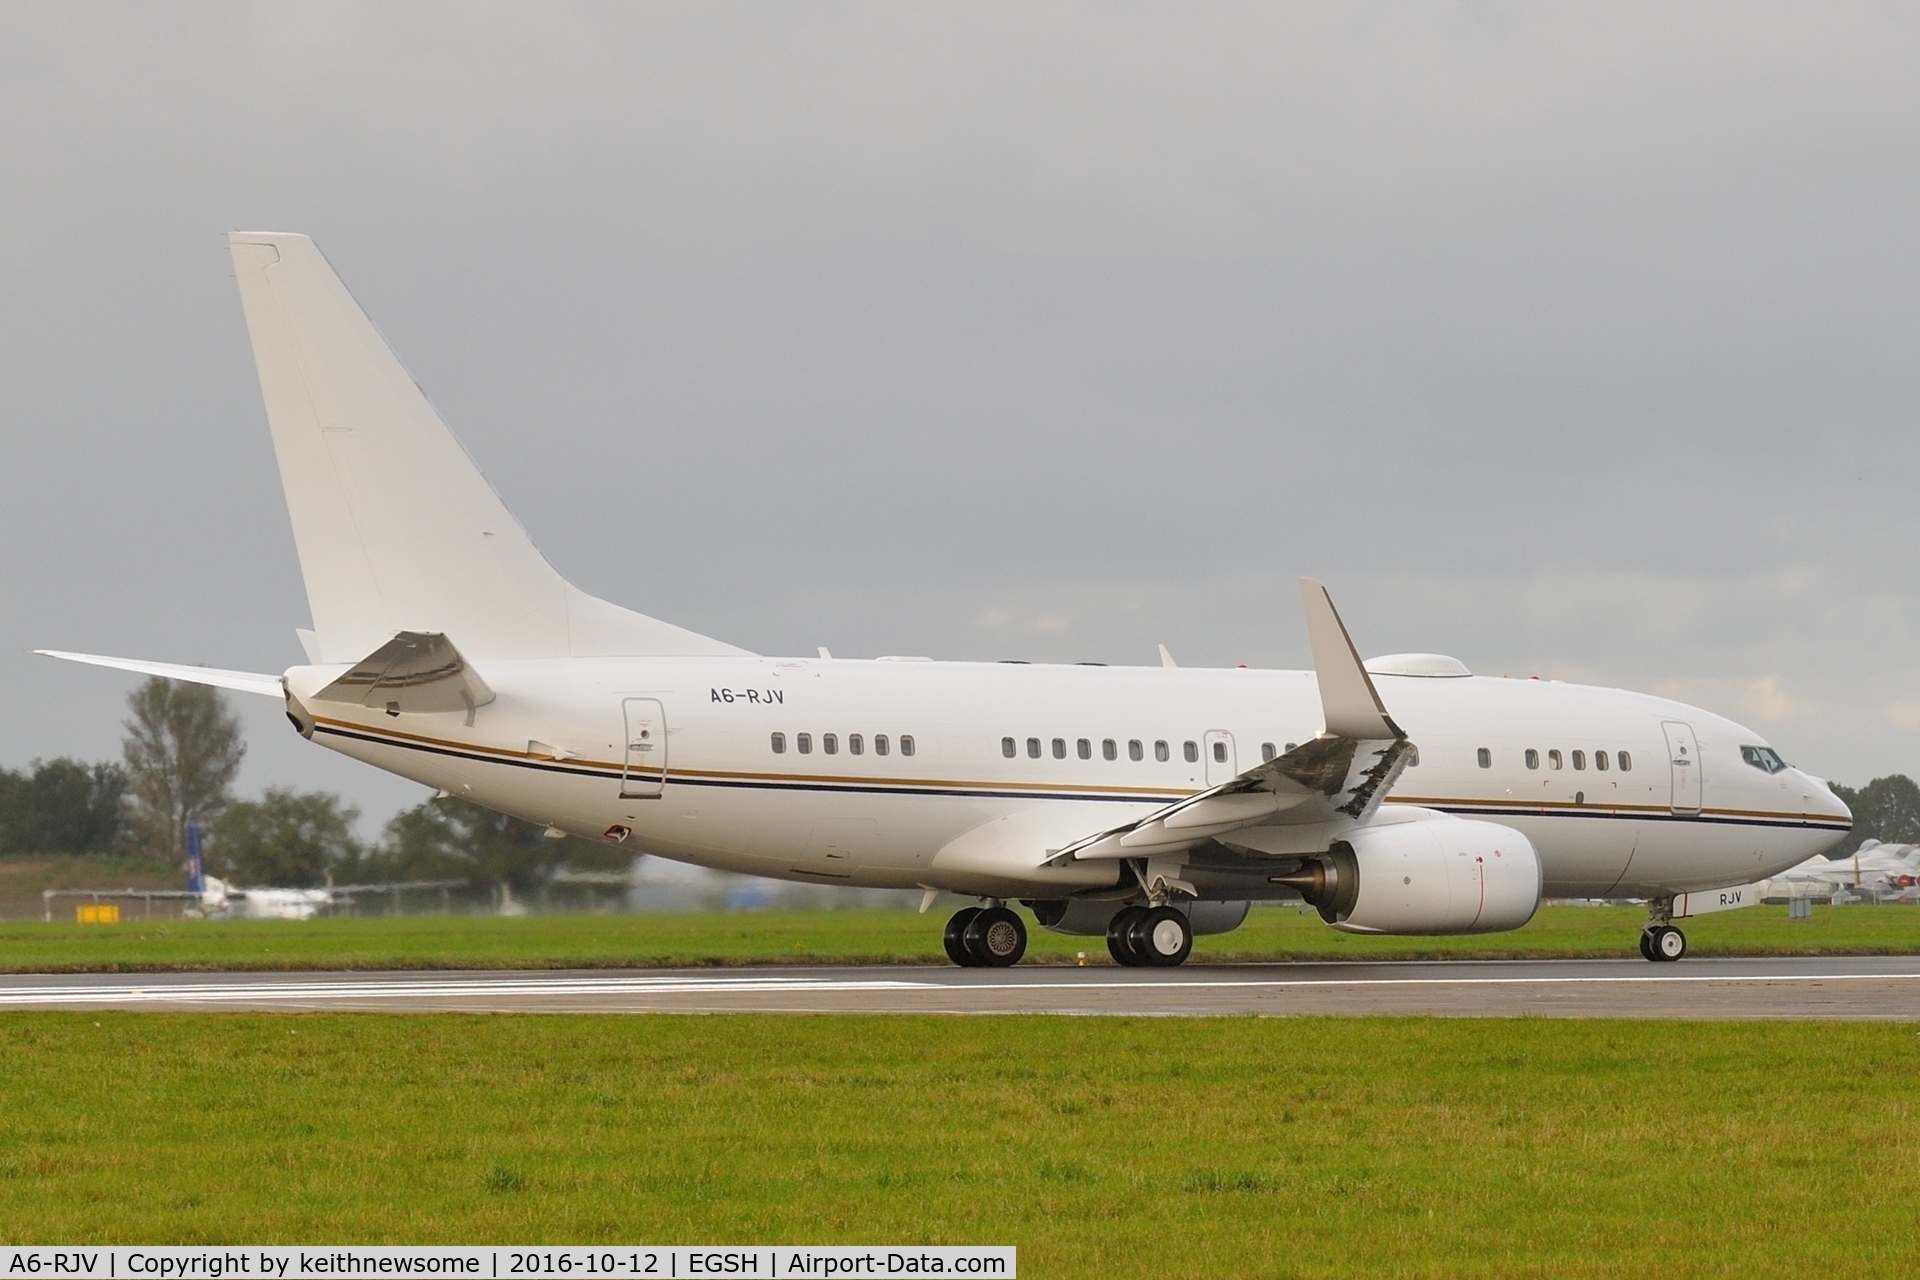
1347,697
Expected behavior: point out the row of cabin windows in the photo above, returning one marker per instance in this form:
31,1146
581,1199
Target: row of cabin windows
830,744
1555,761
1109,749
1136,749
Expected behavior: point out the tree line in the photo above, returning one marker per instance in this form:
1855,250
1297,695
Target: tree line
179,758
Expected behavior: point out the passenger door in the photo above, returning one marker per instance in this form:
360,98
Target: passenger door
645,773
1684,753
1219,756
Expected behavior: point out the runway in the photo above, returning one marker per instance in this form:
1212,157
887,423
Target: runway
1875,988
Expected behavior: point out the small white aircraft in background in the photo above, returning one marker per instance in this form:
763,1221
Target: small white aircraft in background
216,899
222,901
1145,803
1875,870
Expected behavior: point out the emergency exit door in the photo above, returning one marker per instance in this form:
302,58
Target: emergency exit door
645,773
1684,753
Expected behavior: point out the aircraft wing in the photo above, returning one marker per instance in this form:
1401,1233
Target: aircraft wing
1343,774
244,681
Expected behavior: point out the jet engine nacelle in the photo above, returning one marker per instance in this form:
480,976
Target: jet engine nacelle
1444,875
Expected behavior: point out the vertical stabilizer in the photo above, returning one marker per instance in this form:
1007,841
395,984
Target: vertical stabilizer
196,869
397,529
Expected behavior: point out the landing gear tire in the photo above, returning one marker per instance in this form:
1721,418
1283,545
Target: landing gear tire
1120,936
1646,945
1162,937
1666,943
995,938
956,937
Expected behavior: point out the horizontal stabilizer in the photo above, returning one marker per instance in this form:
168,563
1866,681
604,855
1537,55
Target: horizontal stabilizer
244,681
413,672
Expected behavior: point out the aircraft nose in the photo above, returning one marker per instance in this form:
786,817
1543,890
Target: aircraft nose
1822,801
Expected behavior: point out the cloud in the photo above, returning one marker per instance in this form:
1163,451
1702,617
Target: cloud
1571,341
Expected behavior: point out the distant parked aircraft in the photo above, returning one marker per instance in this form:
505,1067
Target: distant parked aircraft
221,900
1876,870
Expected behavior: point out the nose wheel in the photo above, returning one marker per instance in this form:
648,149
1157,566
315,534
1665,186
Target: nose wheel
1663,942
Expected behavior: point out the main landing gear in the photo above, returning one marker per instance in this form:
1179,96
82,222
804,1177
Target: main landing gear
1150,937
1660,940
986,937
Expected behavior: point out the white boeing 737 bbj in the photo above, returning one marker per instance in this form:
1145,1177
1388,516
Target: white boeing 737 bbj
1404,795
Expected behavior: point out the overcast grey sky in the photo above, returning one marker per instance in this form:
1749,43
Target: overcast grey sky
1577,342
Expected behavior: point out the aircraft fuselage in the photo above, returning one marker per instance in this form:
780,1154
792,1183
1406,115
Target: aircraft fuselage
883,765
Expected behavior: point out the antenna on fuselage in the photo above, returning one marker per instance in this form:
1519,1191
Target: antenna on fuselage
1166,659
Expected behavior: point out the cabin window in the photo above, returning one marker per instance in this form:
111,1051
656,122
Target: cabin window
1109,749
1765,759
1007,747
1600,761
1059,748
1626,762
1160,751
879,744
1219,753
906,745
1033,748
1533,758
1486,758
1083,749
1266,752
779,744
1292,745
1134,750
1553,758
855,744
804,743
830,744
1579,759
1192,749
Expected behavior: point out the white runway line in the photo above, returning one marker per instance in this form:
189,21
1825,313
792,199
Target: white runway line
414,989
408,990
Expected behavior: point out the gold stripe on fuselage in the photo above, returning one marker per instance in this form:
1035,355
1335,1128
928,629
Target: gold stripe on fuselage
1519,808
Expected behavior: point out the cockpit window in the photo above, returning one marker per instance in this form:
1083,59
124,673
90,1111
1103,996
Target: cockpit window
1765,759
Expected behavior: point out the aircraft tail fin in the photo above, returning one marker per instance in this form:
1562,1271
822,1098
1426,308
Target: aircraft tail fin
396,528
196,870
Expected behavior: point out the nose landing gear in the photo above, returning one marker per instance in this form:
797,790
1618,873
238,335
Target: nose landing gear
985,938
1660,940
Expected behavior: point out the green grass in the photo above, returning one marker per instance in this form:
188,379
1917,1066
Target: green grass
1101,1147
838,937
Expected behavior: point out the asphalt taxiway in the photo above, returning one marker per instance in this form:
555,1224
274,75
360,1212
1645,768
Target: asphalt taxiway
1873,988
